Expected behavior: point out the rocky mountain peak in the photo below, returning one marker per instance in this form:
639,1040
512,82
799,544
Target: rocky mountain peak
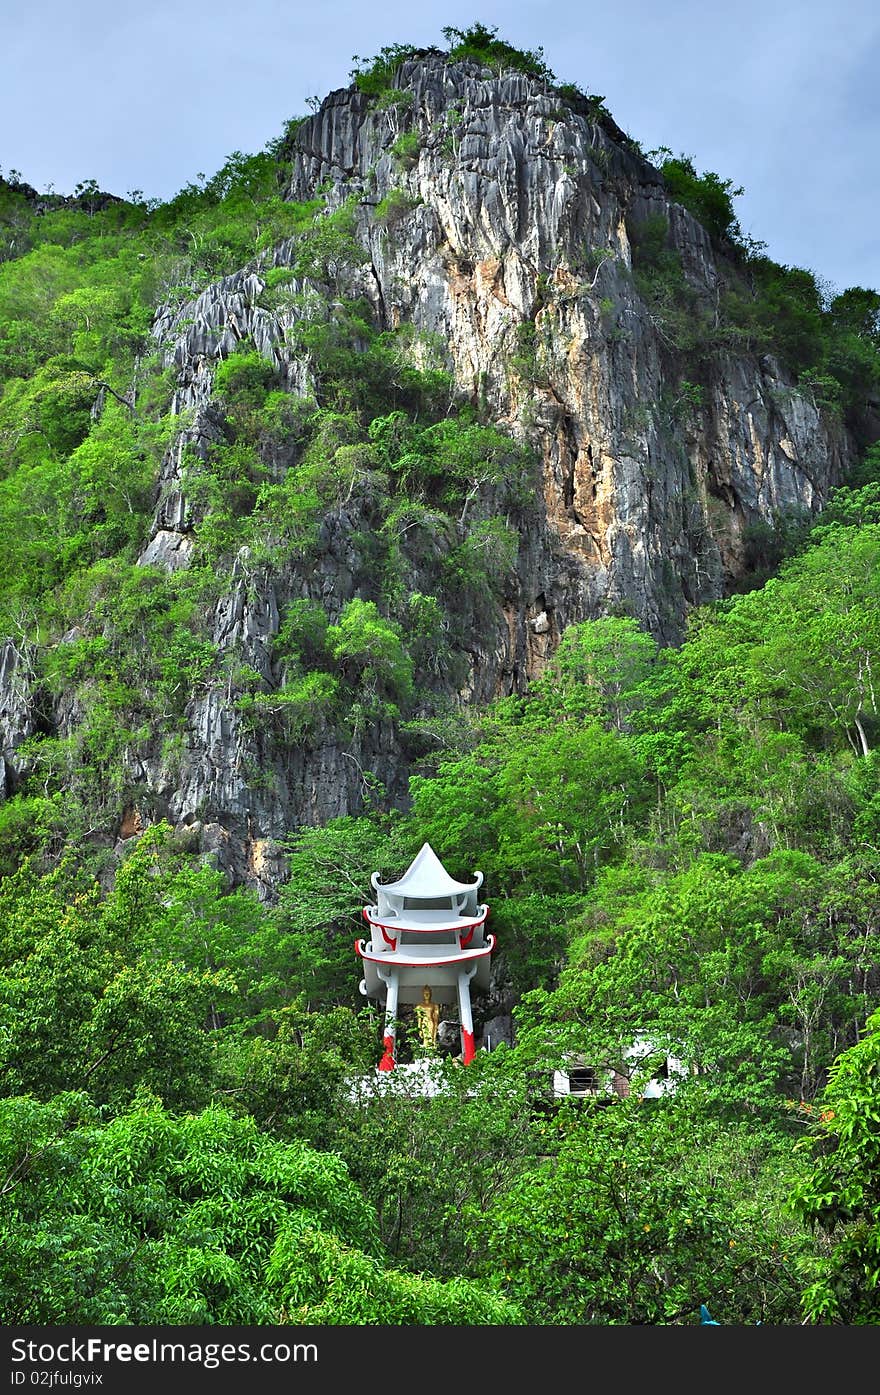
505,232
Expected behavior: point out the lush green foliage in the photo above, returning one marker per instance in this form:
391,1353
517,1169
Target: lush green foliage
373,75
707,196
481,42
86,430
154,1219
840,1195
629,1218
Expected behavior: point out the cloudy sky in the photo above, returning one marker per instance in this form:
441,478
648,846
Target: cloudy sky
779,96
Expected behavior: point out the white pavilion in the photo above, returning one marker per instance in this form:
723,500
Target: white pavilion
426,930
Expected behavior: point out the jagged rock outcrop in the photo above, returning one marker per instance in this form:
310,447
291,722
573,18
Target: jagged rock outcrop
16,710
503,233
512,193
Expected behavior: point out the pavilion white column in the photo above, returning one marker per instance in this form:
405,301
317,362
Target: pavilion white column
468,1049
389,978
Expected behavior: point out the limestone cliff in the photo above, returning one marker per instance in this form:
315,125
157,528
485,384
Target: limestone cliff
503,229
513,193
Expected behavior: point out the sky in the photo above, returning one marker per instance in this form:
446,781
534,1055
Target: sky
782,97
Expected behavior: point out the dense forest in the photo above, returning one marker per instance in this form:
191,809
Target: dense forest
679,841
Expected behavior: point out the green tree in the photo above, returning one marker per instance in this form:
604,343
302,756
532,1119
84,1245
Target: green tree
638,1214
429,1162
320,904
607,661
86,1005
201,1219
707,196
840,1195
480,42
370,652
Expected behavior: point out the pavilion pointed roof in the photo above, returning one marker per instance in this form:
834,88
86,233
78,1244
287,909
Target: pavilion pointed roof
426,876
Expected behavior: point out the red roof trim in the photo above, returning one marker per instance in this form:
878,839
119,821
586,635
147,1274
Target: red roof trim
450,925
403,962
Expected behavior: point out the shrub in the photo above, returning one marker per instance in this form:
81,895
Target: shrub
369,650
396,204
406,149
244,375
480,43
374,75
707,196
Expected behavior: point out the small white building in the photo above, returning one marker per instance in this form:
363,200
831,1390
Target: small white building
579,1080
665,1075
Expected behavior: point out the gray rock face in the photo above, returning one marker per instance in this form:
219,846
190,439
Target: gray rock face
519,216
449,1038
497,1031
16,710
514,213
507,243
194,337
197,334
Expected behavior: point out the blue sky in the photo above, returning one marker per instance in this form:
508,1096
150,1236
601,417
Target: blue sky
780,96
